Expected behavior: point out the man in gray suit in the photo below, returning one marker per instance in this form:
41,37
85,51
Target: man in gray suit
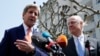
79,44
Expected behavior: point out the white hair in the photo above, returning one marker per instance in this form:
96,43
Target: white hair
76,17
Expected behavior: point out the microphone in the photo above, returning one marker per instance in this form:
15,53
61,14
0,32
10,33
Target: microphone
39,40
54,47
87,45
51,42
62,40
47,36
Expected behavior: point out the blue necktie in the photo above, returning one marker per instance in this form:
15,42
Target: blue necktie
80,51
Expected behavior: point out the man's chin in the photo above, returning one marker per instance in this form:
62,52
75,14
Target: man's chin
30,25
73,31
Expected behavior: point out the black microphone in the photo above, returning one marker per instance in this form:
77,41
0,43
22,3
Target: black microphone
87,45
39,40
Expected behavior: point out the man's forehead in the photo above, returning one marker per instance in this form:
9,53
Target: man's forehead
33,9
72,19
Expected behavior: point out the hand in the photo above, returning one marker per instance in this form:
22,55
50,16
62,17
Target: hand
24,45
28,38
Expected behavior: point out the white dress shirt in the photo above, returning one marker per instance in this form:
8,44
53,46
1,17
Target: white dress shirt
25,29
81,39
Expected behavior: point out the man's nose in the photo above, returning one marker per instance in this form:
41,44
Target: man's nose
33,14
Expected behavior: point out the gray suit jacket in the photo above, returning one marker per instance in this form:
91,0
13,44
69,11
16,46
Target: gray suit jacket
93,45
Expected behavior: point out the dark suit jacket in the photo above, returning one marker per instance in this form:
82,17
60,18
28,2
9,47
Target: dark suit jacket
8,48
70,50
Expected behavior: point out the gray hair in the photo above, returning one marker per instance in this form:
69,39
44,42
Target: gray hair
78,18
31,6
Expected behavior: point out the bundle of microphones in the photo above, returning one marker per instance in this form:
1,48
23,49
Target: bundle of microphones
45,42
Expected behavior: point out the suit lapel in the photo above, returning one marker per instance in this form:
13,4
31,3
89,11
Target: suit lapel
73,47
20,32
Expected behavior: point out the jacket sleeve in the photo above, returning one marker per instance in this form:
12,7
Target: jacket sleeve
5,45
40,52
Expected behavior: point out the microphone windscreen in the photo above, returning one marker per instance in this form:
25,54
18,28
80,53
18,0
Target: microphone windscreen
38,40
46,34
62,40
87,44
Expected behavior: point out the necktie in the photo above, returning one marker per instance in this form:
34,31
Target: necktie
28,35
80,50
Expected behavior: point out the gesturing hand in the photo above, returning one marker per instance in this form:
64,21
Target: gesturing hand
24,45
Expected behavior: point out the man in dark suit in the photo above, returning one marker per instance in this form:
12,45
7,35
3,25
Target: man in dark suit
79,44
17,41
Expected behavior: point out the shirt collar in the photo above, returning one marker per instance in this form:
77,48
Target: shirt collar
81,37
25,28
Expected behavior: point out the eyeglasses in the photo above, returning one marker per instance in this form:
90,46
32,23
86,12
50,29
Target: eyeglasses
72,23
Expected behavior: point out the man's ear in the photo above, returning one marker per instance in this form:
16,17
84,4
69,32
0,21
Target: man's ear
23,15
